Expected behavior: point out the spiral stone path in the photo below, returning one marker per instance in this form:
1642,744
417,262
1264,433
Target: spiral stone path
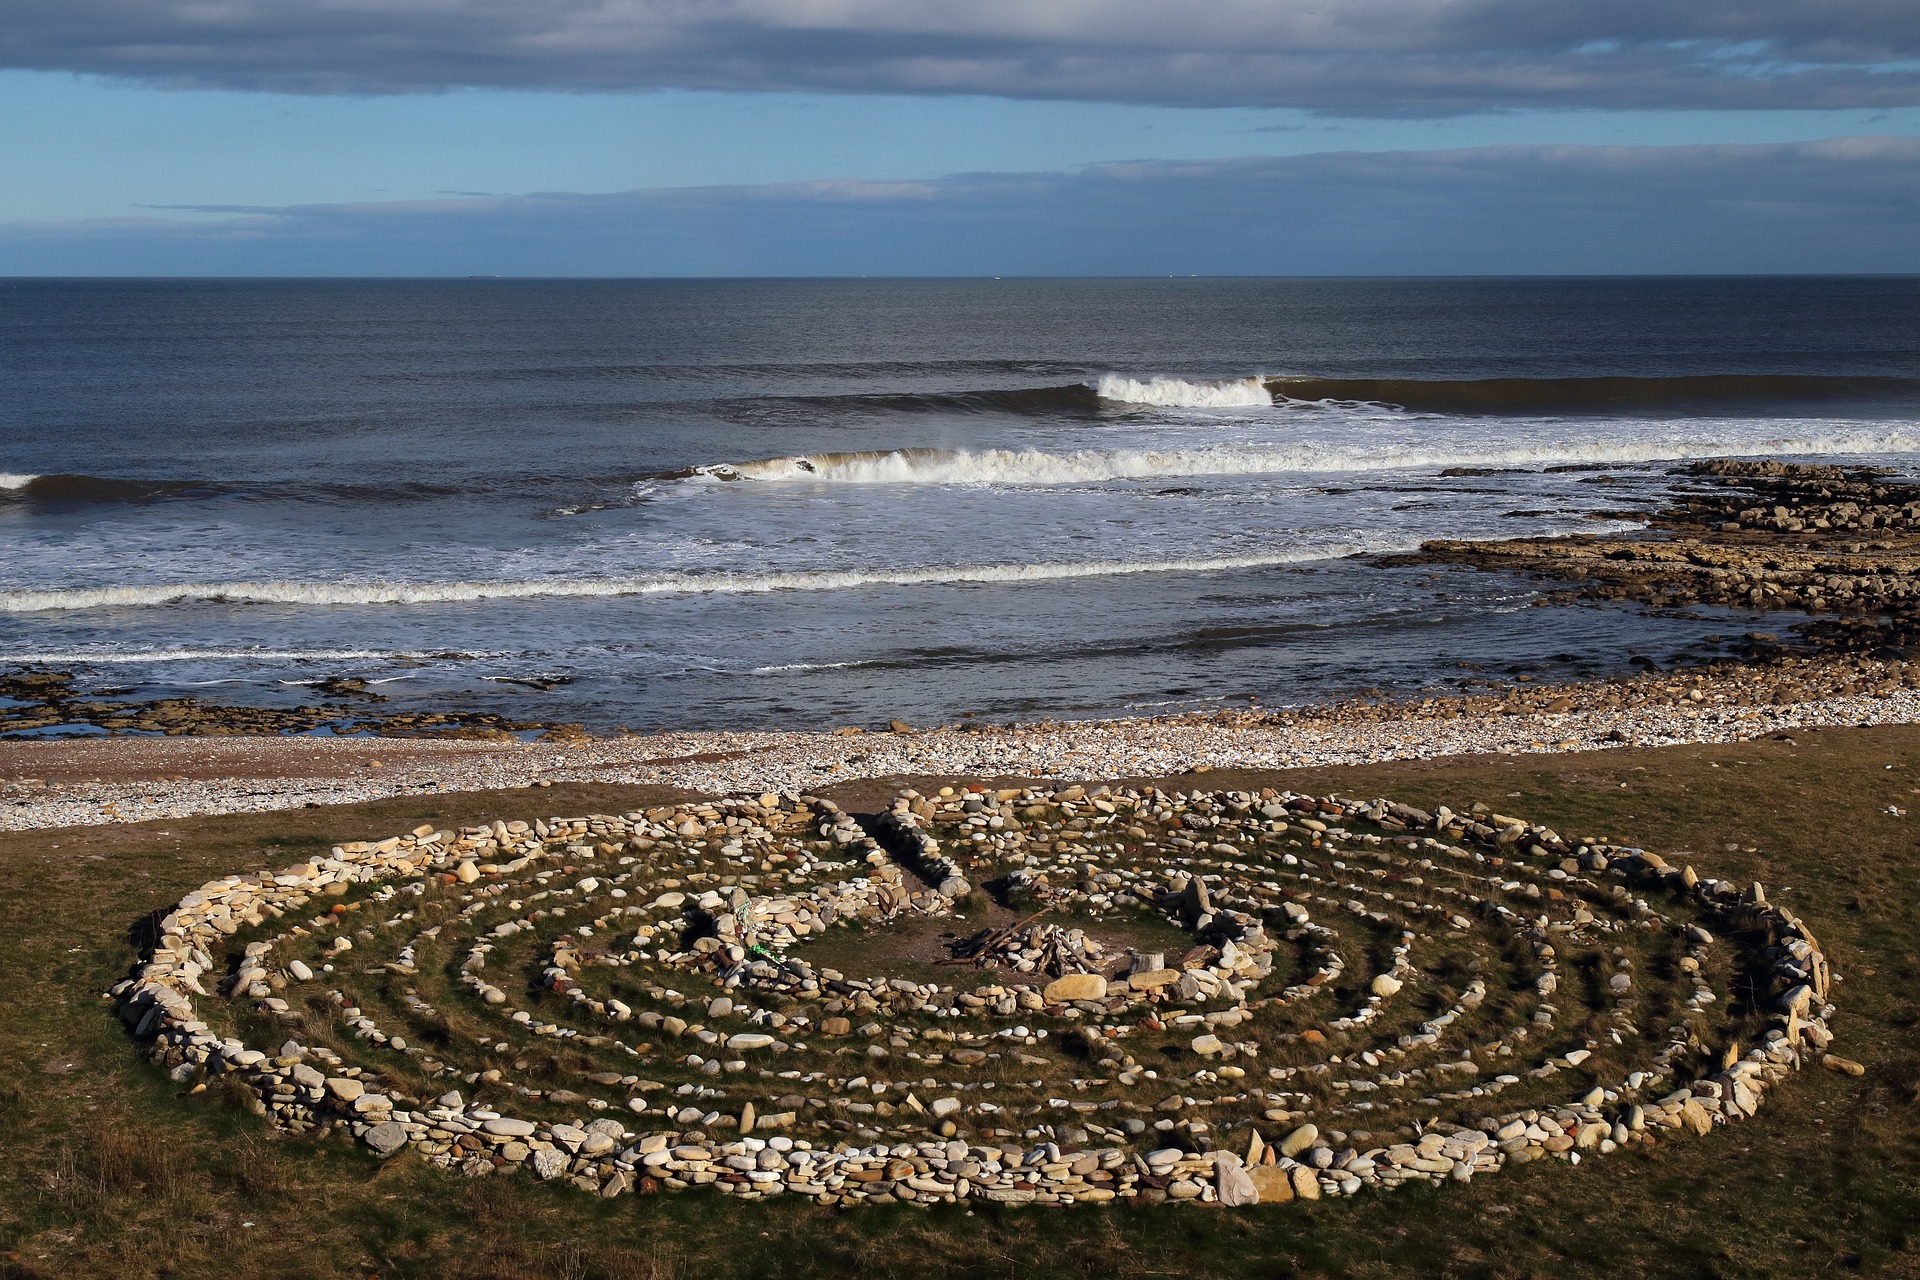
1052,994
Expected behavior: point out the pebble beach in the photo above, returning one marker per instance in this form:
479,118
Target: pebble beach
93,781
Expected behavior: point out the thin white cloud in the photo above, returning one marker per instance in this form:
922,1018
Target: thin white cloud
1340,56
1836,205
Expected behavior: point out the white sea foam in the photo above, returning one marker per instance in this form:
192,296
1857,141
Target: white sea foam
1177,393
387,593
13,480
1079,466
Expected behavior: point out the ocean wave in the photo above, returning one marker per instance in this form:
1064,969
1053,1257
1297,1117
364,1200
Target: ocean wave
1074,399
74,489
1081,466
1466,396
1177,393
211,655
1593,395
401,593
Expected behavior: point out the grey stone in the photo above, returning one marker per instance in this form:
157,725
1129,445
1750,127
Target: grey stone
749,1040
386,1138
508,1127
1232,1184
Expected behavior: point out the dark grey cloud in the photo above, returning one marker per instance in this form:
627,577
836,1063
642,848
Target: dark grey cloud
1340,56
1841,205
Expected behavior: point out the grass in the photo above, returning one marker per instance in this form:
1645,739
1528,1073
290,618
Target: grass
105,1172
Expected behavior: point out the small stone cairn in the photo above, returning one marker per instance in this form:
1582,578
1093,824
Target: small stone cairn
1372,995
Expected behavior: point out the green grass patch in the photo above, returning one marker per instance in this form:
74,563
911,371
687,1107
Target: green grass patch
106,1171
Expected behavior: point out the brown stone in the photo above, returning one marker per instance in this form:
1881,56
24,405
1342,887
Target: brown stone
1274,1184
1075,986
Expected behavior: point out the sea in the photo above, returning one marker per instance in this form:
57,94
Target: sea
657,504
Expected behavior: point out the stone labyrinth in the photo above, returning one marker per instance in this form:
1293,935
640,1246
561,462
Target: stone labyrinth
1049,995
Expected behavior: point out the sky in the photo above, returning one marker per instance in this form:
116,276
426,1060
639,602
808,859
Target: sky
886,137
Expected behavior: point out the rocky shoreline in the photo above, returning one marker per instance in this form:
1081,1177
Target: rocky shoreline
78,783
1841,544
36,701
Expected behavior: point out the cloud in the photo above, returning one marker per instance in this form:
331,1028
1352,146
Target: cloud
1838,205
1363,57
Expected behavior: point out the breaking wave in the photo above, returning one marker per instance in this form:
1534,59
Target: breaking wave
1073,399
137,656
1080,466
9,480
1474,397
388,593
1176,393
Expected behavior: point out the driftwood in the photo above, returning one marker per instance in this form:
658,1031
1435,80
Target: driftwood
1049,949
986,942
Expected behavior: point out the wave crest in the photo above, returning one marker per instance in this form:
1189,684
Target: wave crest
387,593
1177,393
1082,466
1473,397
